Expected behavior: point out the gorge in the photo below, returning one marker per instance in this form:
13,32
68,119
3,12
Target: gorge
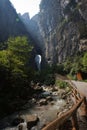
60,29
57,36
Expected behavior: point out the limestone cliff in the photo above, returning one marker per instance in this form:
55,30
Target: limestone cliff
10,23
25,18
61,28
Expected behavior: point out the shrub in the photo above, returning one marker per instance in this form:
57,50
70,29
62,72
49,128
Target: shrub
61,84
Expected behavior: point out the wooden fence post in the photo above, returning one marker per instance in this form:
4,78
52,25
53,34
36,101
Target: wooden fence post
83,108
74,122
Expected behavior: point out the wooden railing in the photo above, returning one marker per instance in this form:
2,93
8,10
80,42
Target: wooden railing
79,99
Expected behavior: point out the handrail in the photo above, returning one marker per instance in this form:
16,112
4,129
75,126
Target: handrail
71,113
59,121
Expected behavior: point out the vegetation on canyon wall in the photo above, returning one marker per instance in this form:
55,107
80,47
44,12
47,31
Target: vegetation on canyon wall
76,64
70,67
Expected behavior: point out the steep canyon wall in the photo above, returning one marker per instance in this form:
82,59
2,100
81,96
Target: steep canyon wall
60,28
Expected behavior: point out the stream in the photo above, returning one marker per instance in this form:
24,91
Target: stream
46,113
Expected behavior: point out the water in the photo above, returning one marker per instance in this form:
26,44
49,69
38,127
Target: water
46,113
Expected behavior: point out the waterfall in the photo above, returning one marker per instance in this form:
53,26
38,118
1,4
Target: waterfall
38,62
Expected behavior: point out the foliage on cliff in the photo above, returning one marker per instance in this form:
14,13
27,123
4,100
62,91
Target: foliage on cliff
76,64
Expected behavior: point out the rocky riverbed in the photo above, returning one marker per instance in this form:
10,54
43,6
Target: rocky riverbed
43,107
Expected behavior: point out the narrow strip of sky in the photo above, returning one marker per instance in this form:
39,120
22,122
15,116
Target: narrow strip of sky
22,6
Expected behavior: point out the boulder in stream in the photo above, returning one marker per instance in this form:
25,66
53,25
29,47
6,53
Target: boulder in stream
43,102
31,120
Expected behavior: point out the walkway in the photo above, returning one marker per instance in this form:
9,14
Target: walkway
82,87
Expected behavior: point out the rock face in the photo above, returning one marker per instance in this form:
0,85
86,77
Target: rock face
25,19
10,23
33,29
13,24
60,28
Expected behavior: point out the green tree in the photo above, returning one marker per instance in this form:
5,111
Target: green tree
76,65
14,61
18,54
67,65
84,62
14,73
